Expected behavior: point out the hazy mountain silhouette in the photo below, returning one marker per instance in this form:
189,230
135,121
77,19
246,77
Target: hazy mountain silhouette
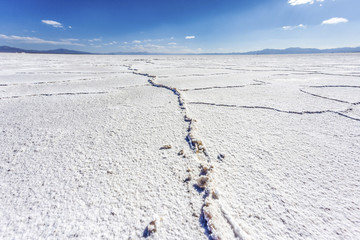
55,51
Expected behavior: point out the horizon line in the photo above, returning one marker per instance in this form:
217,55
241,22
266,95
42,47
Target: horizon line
254,52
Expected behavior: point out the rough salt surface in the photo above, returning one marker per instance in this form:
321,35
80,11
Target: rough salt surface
81,140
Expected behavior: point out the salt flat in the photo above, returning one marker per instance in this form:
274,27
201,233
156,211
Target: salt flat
271,147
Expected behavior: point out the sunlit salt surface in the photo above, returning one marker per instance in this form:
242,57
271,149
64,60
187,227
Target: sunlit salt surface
180,147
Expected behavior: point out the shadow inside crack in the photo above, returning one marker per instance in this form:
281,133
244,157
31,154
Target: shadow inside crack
198,189
204,225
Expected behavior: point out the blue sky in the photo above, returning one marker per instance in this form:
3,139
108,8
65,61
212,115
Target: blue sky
179,26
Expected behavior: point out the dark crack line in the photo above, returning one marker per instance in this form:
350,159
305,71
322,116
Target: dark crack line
335,86
203,75
276,109
299,72
54,94
332,99
347,116
215,87
152,83
258,107
218,87
51,82
133,86
319,96
322,73
262,82
258,83
296,72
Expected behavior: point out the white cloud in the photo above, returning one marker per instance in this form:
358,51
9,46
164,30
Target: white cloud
143,48
70,27
152,48
95,40
111,43
335,20
286,28
172,43
300,2
136,41
95,46
155,40
189,37
38,40
53,23
69,39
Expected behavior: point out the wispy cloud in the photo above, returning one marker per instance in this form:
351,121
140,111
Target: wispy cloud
189,37
300,2
53,23
36,40
111,43
136,42
335,20
157,40
95,40
95,45
170,47
70,39
287,28
143,48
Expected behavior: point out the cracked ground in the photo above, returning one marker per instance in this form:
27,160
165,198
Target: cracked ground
180,147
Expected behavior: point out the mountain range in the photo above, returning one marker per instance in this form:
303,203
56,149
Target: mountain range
294,50
7,49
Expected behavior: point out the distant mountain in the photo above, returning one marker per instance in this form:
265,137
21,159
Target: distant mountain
300,51
293,50
65,51
7,49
